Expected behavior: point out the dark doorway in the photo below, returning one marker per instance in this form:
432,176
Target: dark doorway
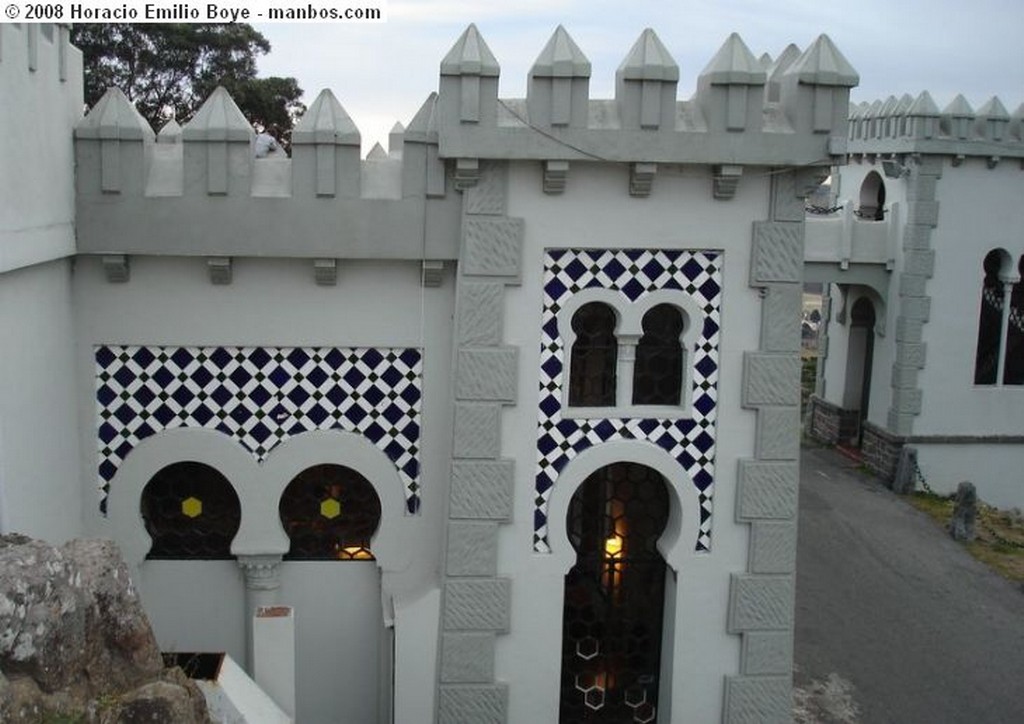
614,597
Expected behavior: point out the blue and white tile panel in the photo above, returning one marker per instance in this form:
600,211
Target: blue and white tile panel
690,439
260,396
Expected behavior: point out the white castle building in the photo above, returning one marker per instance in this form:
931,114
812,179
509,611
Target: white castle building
507,414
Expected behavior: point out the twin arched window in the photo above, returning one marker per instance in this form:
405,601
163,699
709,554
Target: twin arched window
999,356
191,512
606,370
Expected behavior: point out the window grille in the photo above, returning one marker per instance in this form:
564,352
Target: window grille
990,322
191,511
330,512
1013,367
614,598
658,371
594,355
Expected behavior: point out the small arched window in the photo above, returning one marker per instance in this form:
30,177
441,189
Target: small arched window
614,597
191,511
594,356
658,371
330,512
990,322
1013,368
872,197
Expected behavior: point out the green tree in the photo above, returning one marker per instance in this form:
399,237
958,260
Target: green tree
168,70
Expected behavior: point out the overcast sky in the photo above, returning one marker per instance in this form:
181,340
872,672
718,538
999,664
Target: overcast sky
382,73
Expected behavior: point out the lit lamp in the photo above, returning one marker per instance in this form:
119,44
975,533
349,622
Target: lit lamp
613,545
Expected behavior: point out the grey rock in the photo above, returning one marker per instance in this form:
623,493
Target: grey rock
961,526
76,643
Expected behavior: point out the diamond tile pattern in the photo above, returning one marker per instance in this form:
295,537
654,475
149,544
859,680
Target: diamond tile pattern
690,439
260,396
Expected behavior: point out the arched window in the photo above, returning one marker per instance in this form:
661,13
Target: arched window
872,197
658,371
594,355
330,512
191,511
614,597
1013,367
990,322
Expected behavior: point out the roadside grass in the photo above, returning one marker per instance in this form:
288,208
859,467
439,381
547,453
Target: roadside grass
1000,533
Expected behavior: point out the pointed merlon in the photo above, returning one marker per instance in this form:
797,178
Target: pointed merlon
218,119
823,64
648,59
959,108
994,110
888,107
734,64
470,56
170,133
766,61
561,58
377,153
114,117
786,58
325,121
924,107
906,101
423,126
398,129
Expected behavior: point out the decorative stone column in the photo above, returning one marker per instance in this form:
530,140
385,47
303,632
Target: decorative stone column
262,575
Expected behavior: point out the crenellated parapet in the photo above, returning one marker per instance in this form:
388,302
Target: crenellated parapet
909,125
325,202
747,110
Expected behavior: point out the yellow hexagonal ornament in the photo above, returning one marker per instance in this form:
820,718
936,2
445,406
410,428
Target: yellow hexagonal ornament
192,507
330,508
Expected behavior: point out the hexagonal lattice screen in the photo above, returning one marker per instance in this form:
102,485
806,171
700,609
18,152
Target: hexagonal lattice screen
658,370
614,597
191,512
329,512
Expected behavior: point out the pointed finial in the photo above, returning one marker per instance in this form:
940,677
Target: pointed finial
326,121
470,56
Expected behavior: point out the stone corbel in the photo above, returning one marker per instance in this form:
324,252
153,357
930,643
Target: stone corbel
992,161
641,178
467,173
726,179
325,272
432,273
116,268
219,268
555,175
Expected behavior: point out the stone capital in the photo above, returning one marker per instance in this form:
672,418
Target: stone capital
261,572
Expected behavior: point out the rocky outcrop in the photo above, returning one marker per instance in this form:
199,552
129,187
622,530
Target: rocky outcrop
75,643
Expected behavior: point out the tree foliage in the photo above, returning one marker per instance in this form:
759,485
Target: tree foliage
168,70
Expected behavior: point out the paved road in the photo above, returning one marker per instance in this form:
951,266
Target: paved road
890,604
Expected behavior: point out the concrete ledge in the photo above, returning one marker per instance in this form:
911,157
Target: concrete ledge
761,603
473,704
767,490
758,700
477,604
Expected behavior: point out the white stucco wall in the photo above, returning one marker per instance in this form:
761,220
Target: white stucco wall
338,608
39,453
961,240
680,213
39,495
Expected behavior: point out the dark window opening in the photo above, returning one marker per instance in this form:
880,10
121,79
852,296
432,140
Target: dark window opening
658,370
594,355
191,511
1013,369
614,597
329,512
990,322
872,198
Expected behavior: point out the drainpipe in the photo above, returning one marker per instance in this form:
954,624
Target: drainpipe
262,575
